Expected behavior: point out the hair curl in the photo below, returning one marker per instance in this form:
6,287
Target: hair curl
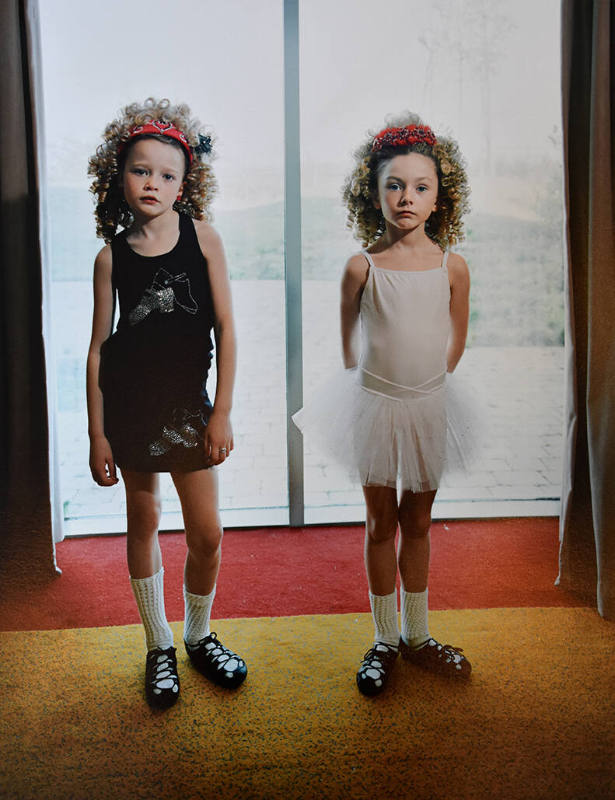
107,163
444,226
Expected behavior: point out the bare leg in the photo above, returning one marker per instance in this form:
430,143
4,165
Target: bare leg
146,578
380,532
414,541
143,518
381,567
414,549
198,494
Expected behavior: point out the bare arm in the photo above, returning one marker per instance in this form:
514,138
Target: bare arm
353,281
102,464
459,277
219,433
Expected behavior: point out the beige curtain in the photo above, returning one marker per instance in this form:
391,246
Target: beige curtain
25,506
587,526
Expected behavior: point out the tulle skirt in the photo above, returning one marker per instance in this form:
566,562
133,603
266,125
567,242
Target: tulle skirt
383,441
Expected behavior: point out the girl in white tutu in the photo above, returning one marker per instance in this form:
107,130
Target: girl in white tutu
404,320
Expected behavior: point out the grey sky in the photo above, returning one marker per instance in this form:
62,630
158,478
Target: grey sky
360,61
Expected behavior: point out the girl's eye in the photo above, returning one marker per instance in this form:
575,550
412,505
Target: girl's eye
138,171
169,177
421,188
393,186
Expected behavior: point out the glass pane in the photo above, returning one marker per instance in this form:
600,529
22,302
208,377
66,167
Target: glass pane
232,80
488,73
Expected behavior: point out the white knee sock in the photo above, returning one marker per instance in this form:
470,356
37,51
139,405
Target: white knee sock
149,594
414,627
197,613
384,611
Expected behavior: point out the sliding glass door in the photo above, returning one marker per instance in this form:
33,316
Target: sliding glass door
226,61
488,72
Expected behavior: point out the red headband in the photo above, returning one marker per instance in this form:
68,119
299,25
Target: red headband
400,137
156,126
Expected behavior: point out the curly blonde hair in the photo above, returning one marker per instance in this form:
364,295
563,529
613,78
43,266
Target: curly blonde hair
444,226
107,163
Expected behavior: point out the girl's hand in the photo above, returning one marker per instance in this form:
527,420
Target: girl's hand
102,465
218,437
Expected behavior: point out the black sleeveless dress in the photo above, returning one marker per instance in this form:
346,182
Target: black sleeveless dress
153,369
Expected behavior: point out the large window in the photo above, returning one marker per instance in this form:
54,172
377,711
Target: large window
95,61
488,71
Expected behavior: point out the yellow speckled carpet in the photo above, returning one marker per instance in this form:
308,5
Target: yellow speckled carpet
536,720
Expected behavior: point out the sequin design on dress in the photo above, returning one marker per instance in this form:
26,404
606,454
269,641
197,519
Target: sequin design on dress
166,292
185,430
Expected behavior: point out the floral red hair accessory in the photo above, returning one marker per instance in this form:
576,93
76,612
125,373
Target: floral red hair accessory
160,128
401,137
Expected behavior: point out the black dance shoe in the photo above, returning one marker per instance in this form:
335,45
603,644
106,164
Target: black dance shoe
376,668
216,662
161,678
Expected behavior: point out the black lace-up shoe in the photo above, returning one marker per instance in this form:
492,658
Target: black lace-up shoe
376,668
216,662
161,678
441,658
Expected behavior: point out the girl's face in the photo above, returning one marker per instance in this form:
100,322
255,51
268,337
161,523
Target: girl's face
407,190
153,177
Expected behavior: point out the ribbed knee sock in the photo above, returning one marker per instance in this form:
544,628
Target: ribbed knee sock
149,594
414,627
384,611
197,612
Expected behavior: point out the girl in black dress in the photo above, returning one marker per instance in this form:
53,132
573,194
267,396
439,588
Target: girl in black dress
148,407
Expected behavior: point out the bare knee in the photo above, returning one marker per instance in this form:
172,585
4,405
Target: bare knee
143,517
203,541
381,528
415,523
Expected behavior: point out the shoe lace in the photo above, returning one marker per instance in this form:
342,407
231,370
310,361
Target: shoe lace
374,654
449,652
160,656
162,665
220,653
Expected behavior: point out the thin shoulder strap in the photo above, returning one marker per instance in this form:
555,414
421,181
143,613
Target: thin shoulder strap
444,258
370,260
186,226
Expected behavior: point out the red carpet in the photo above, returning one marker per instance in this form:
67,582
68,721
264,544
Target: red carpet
288,572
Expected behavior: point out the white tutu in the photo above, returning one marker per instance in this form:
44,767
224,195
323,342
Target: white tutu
385,441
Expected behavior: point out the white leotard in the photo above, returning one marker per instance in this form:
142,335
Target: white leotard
405,324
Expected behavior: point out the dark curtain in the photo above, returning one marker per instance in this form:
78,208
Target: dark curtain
25,511
587,526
